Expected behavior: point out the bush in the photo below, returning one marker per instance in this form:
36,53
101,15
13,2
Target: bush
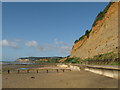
53,60
72,60
82,37
76,41
87,33
109,55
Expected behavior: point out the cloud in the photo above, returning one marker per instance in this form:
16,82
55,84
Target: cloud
7,43
60,47
34,44
57,45
64,49
58,42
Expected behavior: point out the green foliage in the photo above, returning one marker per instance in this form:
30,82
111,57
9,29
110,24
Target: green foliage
109,55
116,63
82,37
72,60
53,60
102,13
87,33
88,59
50,60
90,30
76,41
68,56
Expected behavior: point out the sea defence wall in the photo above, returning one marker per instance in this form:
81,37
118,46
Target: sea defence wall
109,71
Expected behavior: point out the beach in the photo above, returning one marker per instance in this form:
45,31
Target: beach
53,79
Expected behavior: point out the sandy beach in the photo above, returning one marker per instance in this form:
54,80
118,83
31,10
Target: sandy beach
67,79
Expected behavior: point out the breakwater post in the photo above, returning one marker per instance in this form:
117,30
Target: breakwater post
37,71
27,71
63,70
57,70
8,71
18,71
47,71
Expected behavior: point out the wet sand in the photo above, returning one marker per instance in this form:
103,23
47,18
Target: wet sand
67,79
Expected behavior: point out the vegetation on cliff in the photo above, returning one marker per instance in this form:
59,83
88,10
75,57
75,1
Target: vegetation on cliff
71,60
51,60
101,59
87,32
109,55
102,13
99,17
106,58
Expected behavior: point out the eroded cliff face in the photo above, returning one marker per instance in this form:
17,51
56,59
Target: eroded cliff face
102,39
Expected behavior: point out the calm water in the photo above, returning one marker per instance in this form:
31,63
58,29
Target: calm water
13,62
22,68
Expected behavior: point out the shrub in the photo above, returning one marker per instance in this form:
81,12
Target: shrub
72,60
53,60
87,33
82,37
109,55
76,41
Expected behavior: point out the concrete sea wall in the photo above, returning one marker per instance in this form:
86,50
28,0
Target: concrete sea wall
111,71
105,71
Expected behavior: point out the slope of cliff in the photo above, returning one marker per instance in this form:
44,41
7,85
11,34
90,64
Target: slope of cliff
103,37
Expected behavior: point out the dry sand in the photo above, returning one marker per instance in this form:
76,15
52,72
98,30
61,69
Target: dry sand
67,79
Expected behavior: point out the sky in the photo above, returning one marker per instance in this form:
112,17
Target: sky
44,29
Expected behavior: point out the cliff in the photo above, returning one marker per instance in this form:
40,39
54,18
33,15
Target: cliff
103,37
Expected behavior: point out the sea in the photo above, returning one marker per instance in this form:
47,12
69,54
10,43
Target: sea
14,62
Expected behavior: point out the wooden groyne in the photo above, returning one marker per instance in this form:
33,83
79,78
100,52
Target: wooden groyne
38,70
